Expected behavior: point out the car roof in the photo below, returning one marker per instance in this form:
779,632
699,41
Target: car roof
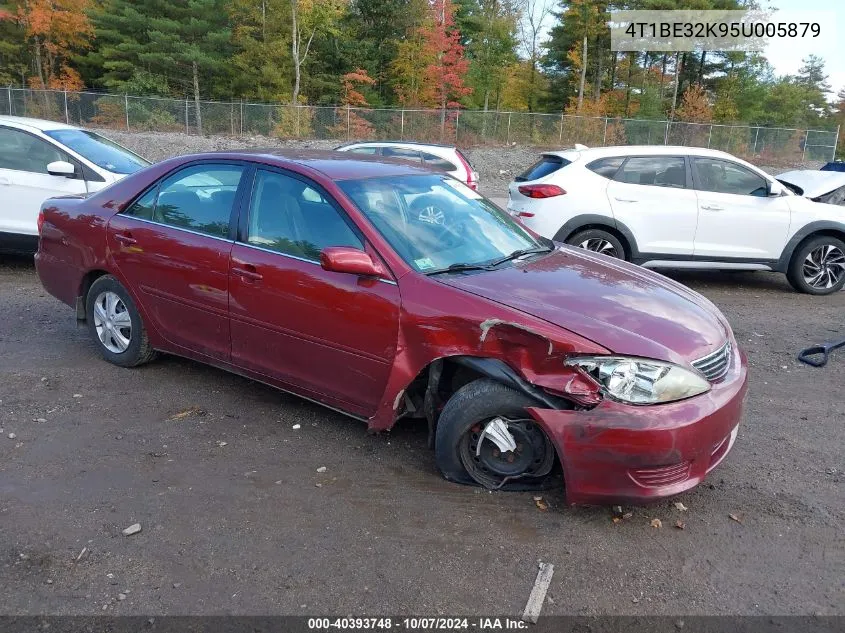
335,165
411,144
590,153
34,125
814,183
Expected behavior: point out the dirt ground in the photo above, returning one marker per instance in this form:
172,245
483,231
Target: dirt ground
236,518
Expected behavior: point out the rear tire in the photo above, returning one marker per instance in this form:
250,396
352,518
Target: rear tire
599,241
816,263
464,418
116,325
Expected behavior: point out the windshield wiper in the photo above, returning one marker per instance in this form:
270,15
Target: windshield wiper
520,253
459,267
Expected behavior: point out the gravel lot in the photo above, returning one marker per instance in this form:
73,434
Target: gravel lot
236,519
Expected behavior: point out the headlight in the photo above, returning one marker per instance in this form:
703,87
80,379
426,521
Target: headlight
639,380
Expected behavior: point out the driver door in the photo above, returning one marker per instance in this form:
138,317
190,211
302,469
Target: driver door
326,335
737,219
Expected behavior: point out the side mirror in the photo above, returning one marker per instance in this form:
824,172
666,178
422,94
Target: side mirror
61,168
775,188
342,259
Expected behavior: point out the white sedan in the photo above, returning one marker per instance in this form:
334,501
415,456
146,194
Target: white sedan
41,159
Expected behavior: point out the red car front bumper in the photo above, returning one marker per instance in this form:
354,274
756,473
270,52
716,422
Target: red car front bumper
624,453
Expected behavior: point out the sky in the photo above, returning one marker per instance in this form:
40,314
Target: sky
786,58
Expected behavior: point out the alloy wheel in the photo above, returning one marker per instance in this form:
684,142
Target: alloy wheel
112,322
599,245
824,266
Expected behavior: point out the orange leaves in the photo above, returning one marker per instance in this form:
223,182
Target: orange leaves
695,106
349,95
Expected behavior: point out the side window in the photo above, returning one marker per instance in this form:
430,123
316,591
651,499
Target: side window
364,150
23,152
199,198
144,206
657,171
722,176
284,216
436,162
403,153
606,167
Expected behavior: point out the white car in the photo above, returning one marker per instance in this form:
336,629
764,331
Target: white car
682,207
41,159
821,186
446,158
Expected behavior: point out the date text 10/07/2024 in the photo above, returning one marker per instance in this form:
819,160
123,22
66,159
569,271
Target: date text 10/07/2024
417,624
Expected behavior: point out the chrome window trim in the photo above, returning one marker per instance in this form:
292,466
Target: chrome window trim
178,228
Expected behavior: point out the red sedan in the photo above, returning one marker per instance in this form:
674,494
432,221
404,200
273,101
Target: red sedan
385,291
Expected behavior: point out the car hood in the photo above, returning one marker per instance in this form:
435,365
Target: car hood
624,308
814,183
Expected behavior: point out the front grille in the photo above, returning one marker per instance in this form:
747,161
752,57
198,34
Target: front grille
661,475
715,365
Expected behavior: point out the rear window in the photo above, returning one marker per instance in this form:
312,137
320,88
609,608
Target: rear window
606,167
436,162
548,164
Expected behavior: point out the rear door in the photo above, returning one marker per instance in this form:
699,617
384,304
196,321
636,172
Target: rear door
172,245
653,197
330,336
737,217
24,181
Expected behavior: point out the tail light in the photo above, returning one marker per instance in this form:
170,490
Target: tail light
472,176
40,220
541,191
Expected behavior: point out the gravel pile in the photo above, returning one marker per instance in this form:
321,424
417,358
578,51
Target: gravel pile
496,166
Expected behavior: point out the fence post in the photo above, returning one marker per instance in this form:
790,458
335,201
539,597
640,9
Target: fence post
804,149
10,100
604,137
242,117
348,110
560,136
126,109
67,116
401,125
835,141
187,129
709,136
666,134
756,134
457,119
508,137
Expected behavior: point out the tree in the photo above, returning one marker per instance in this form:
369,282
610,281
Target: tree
535,14
813,78
13,59
695,106
261,35
56,30
308,18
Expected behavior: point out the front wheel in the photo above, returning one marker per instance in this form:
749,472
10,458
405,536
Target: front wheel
598,241
485,437
115,324
818,266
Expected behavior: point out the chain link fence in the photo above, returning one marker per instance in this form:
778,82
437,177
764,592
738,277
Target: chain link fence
464,128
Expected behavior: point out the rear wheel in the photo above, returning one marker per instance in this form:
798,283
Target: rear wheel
485,437
115,324
598,241
818,266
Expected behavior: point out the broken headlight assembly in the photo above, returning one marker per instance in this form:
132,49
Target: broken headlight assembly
640,380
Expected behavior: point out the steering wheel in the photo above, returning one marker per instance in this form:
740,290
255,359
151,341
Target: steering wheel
432,210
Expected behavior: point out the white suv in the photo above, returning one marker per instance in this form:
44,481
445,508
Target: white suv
682,207
41,159
446,158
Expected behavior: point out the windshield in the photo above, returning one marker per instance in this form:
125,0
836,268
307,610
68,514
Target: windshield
435,221
99,150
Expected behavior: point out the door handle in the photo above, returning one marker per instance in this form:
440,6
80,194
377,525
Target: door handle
625,199
125,238
712,207
247,272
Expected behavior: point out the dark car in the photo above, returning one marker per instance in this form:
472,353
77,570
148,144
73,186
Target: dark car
386,291
836,165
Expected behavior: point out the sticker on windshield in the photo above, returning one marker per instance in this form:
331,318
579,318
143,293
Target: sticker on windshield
424,263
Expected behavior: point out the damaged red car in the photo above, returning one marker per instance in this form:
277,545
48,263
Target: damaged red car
386,291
